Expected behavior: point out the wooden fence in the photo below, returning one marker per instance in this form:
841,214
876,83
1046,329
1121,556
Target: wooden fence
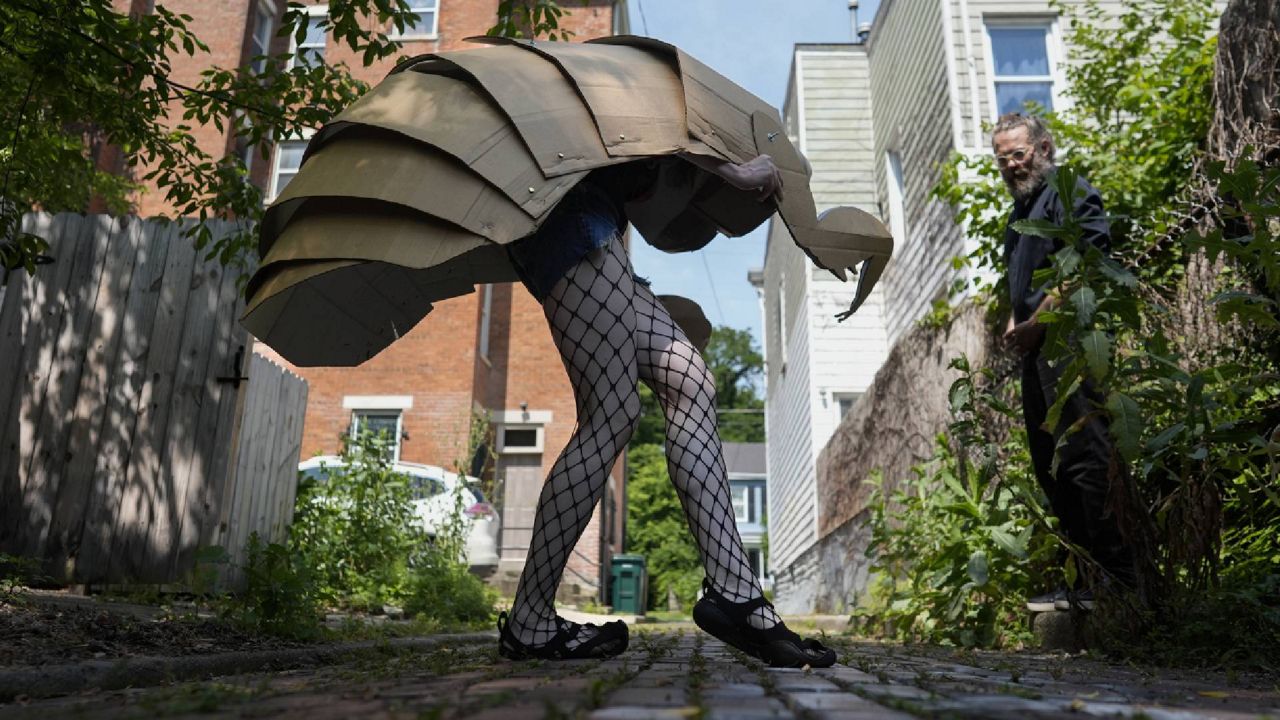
130,435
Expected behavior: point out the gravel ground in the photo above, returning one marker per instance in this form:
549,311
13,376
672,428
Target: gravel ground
52,628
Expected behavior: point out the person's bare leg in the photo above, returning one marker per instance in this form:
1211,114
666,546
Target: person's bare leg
686,389
593,325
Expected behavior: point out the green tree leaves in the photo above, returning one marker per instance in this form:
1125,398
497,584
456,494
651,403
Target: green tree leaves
656,525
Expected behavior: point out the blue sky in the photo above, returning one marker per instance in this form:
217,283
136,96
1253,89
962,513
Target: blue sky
751,43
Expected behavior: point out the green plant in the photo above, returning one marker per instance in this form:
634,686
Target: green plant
656,528
15,572
357,531
1194,429
957,547
534,18
278,596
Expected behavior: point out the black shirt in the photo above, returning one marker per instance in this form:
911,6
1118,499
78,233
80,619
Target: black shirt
1024,254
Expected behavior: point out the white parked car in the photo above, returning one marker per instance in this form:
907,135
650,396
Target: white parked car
433,492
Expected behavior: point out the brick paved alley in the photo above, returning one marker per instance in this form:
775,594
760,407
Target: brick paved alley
682,673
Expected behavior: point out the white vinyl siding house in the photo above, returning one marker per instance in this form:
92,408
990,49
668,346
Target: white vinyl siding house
812,360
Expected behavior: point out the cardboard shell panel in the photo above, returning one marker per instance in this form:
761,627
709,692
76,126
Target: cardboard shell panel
718,111
634,95
453,117
416,242
545,108
408,174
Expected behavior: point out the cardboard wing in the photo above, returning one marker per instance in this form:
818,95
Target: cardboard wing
408,197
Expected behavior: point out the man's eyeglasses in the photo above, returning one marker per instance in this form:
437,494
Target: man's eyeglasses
1016,156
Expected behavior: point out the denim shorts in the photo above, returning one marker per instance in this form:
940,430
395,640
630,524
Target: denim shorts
585,220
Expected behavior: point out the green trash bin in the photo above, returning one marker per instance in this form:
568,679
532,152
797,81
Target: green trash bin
629,584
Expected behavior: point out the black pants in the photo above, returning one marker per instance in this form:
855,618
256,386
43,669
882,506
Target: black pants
1078,491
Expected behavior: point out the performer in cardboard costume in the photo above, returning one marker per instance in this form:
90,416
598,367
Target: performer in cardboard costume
526,160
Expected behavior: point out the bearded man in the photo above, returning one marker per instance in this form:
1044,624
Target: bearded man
1077,492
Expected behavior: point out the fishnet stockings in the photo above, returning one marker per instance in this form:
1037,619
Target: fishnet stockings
611,332
686,389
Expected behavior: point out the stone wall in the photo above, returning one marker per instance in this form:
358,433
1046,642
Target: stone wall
891,429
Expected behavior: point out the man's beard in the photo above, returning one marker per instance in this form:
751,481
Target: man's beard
1034,176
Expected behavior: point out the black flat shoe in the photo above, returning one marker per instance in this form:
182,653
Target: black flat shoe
609,640
778,646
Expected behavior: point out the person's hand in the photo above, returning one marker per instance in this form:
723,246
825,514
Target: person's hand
757,173
1023,337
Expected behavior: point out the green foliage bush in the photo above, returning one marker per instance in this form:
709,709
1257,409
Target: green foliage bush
356,543
958,546
279,597
357,530
1198,431
656,528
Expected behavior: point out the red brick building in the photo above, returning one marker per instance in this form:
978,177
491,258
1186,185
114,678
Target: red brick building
488,353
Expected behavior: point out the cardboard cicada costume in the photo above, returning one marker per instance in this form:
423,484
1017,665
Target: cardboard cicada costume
410,195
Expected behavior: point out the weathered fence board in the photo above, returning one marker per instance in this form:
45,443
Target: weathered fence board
125,396
267,451
122,445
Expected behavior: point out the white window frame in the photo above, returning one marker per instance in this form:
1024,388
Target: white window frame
897,197
377,402
1054,51
744,490
486,311
273,190
837,396
313,11
265,10
536,448
420,32
399,432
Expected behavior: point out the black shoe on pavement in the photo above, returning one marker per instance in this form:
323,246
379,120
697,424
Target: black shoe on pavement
1079,599
609,640
778,646
1047,602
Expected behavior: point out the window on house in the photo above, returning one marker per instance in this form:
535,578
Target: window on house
311,50
1021,65
844,403
426,28
756,559
381,423
486,308
287,161
519,438
897,193
741,502
263,29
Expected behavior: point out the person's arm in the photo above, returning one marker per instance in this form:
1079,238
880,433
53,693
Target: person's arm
757,173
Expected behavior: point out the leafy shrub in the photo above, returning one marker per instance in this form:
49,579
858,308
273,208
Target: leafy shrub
357,530
1196,428
356,542
279,596
957,548
656,528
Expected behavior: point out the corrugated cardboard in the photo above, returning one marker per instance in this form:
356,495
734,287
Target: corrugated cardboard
408,197
546,110
408,174
634,97
453,117
688,315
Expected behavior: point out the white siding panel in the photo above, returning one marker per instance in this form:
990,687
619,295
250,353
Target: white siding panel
830,107
913,116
